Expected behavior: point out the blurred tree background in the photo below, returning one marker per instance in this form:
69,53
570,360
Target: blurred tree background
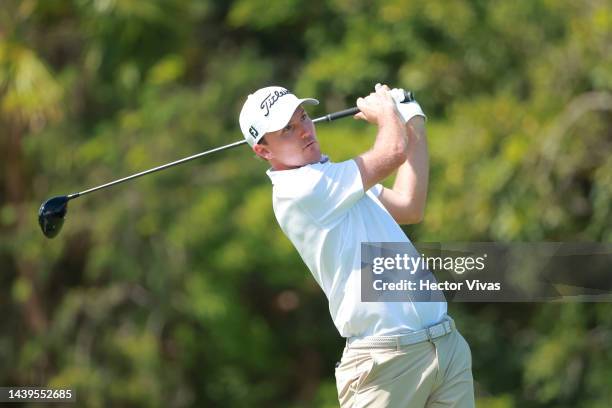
180,290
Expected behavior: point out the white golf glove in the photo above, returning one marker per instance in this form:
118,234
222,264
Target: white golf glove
407,110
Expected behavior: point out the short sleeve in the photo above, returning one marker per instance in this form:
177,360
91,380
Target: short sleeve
376,189
335,188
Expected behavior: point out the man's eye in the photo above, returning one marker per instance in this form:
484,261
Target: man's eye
287,128
304,116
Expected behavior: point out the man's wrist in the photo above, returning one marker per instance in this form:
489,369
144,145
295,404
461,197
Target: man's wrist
392,118
410,110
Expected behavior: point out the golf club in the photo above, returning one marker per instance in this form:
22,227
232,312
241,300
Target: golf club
52,212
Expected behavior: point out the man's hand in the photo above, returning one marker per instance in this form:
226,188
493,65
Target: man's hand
377,107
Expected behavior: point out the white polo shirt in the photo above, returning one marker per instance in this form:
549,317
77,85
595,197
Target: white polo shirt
324,211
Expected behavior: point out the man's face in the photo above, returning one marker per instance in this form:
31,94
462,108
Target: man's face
293,146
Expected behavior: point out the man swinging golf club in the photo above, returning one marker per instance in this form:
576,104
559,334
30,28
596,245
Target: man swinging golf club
398,354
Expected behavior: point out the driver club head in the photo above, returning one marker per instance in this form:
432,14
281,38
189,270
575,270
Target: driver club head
51,215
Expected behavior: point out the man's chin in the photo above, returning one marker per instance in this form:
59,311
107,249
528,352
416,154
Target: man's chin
315,158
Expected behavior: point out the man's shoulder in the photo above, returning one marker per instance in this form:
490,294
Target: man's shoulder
292,183
305,180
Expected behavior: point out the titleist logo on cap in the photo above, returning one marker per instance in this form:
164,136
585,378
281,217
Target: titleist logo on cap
271,99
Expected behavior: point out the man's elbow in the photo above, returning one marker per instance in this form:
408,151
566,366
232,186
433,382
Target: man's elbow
414,216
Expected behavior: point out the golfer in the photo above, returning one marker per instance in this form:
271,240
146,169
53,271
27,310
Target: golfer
397,354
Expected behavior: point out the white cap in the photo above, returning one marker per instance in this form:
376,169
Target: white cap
268,110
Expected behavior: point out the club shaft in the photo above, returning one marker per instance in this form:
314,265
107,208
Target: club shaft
326,118
158,168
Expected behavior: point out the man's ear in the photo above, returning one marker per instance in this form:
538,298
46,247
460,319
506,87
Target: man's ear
262,151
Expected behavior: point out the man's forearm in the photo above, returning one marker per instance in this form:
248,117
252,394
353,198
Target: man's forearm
388,152
412,176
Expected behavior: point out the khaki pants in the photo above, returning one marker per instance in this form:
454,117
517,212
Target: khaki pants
432,374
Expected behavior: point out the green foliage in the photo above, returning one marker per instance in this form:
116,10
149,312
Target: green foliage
181,290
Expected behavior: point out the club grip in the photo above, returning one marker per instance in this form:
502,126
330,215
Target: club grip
341,114
408,97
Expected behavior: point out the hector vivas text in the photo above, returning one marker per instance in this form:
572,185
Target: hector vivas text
411,265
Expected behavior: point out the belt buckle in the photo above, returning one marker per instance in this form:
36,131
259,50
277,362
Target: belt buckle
429,334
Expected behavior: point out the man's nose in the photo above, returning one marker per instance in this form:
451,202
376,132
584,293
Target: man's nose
304,132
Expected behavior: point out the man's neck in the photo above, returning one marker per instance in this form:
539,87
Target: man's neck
280,167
